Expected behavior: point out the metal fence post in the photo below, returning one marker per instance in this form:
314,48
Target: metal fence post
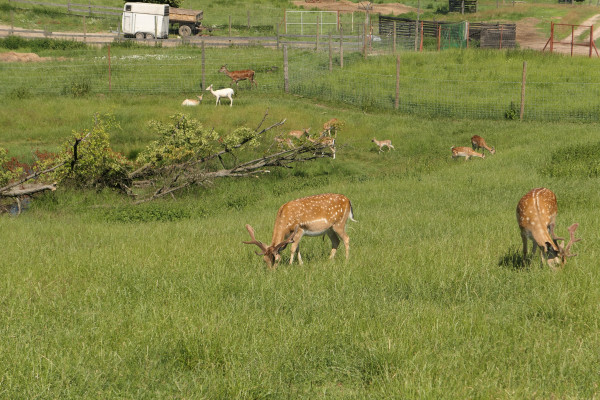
330,54
394,39
342,47
286,83
523,89
109,73
397,100
317,36
84,30
203,66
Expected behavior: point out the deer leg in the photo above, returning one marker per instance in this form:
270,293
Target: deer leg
341,231
295,246
524,239
335,242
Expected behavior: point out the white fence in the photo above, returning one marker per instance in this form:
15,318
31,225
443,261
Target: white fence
301,21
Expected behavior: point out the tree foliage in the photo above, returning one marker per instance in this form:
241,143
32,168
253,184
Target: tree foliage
185,138
87,158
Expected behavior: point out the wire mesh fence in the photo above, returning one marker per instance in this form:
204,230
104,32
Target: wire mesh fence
429,89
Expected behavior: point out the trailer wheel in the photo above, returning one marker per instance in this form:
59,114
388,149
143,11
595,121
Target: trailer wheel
185,30
149,36
139,35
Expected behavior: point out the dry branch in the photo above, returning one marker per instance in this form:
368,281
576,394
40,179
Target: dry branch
7,191
192,173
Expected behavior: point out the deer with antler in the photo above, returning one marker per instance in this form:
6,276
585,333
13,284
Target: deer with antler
477,142
536,215
311,216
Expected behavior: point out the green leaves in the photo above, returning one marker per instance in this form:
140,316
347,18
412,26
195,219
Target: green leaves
185,138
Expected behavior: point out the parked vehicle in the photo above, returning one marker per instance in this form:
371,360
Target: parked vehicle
145,20
189,21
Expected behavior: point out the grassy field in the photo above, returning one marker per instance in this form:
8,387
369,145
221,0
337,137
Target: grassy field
102,299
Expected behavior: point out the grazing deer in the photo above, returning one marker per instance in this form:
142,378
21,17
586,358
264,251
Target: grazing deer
227,92
300,134
333,125
465,152
192,102
311,216
536,215
325,141
479,143
382,143
239,75
287,142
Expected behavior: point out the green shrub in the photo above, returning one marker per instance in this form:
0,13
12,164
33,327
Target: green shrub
97,164
512,113
155,212
78,87
21,93
578,161
15,42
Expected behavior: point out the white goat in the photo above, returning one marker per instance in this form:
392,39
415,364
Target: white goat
227,92
192,102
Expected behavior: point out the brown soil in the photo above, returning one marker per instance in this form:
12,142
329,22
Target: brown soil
11,56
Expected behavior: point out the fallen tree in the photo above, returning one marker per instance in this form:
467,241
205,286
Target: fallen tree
186,155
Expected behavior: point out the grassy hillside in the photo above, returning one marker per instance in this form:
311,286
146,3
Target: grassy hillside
103,300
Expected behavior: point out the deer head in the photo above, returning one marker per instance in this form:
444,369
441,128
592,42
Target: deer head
536,215
560,258
270,253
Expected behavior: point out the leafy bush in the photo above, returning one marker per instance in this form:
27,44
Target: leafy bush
77,88
146,213
15,42
185,138
6,175
512,113
97,164
21,93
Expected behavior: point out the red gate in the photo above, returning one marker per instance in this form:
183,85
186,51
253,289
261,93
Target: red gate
590,44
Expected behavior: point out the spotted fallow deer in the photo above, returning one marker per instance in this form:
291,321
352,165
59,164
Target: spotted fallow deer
300,134
331,126
325,141
465,152
479,143
311,216
536,215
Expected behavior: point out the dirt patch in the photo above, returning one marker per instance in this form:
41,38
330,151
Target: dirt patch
528,36
346,6
11,56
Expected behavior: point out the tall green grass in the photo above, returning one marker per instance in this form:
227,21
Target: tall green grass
103,300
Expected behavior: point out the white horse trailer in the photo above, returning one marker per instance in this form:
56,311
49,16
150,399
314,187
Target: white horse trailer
145,20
